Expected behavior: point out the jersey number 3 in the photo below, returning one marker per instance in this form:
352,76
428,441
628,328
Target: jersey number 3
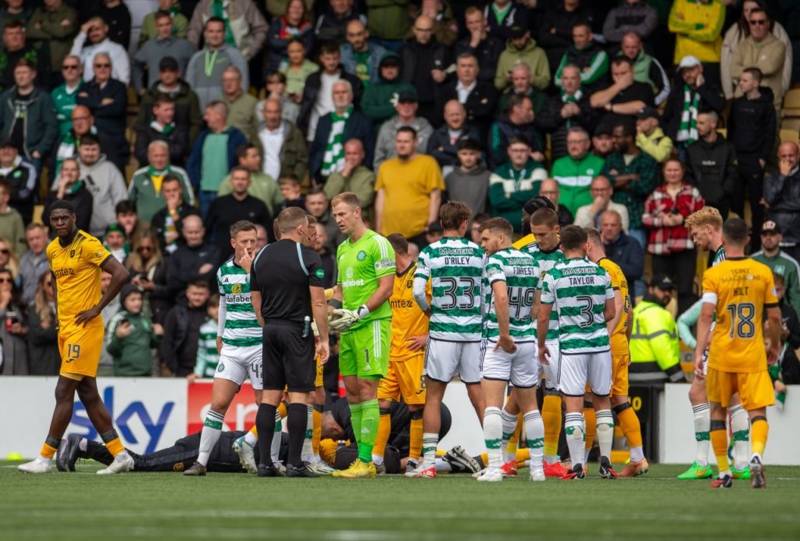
742,325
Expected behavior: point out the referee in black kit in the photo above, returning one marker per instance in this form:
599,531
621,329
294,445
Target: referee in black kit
287,288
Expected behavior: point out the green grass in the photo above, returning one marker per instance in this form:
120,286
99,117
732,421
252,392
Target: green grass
83,506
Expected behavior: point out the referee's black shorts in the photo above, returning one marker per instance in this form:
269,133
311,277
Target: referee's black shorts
288,359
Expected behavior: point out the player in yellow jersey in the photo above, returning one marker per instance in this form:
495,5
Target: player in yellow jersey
619,331
738,291
76,261
406,375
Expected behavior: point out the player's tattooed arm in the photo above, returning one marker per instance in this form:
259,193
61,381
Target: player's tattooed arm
119,276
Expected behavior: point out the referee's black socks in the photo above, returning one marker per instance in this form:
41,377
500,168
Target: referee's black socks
265,424
296,423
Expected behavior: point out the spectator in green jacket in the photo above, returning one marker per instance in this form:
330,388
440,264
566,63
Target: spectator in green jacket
780,262
522,49
53,25
586,55
514,182
575,171
378,99
131,336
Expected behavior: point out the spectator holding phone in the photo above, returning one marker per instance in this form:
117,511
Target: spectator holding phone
13,329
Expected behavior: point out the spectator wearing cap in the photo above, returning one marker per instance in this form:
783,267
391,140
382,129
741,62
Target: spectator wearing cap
650,137
317,93
762,50
103,180
424,65
293,25
646,68
587,56
602,141
360,57
51,27
244,28
518,122
555,27
711,164
444,142
630,17
782,197
149,30
668,239
16,48
406,107
205,68
468,181
213,153
107,99
22,179
71,188
550,189
354,177
655,350
486,48
145,187
187,104
332,23
691,94
501,16
408,190
625,97
520,48
571,108
241,104
326,153
634,174
478,97
622,249
95,30
575,171
779,261
752,125
165,43
514,182
65,95
378,101
602,191
163,128
28,119
698,28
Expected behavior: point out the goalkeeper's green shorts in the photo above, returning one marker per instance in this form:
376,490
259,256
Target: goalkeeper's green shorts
364,351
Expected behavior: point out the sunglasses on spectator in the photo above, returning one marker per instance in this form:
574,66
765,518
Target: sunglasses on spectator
70,67
5,251
102,65
755,22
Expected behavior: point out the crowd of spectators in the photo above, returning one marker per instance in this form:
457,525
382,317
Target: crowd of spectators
165,121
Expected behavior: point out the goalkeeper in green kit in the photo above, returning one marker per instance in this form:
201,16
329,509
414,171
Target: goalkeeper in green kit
362,316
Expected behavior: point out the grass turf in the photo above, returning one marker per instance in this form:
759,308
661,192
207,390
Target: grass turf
83,506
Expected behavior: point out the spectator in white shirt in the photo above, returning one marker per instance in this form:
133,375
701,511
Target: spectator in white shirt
96,30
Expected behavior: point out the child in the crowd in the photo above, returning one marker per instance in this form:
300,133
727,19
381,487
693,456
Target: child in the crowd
116,241
207,353
131,336
127,217
297,68
291,192
106,367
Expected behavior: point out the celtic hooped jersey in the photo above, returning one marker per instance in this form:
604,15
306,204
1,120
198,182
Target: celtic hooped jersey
578,290
241,325
518,270
453,266
545,261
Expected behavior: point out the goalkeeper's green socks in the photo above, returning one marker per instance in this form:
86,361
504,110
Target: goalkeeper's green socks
370,419
355,420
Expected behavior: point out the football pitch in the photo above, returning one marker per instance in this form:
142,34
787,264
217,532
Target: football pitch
83,506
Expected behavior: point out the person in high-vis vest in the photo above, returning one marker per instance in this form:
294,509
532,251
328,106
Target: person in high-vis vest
655,351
